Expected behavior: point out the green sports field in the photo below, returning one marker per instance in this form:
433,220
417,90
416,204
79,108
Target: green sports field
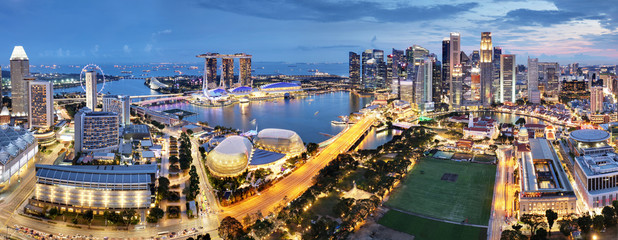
425,229
467,195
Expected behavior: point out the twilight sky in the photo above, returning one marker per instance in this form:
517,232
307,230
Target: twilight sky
128,31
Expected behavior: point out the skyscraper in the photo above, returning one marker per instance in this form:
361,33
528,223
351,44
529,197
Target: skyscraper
549,73
398,70
354,67
20,67
425,80
41,95
95,131
381,79
507,78
120,104
211,71
533,81
446,69
455,58
495,83
227,66
91,89
596,100
245,72
486,69
374,69
457,85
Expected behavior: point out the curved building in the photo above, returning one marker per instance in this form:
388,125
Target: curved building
280,140
231,157
281,87
589,141
241,90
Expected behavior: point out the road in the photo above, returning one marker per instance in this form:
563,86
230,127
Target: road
500,198
299,180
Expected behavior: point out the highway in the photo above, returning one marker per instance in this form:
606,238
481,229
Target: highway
501,204
299,180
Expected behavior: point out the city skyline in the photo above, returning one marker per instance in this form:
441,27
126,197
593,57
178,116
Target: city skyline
292,31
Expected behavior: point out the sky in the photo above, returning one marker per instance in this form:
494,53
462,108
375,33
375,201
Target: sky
139,31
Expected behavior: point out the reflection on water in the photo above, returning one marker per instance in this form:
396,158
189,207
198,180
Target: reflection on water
310,117
508,118
374,140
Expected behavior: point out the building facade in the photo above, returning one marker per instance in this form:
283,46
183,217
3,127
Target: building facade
20,68
455,62
120,104
91,89
245,72
596,100
486,69
446,66
507,78
18,147
101,188
96,131
41,109
354,67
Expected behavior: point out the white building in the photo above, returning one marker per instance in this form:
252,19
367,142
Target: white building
17,148
96,131
120,104
91,89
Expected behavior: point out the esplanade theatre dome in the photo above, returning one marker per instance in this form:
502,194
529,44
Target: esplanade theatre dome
280,140
231,157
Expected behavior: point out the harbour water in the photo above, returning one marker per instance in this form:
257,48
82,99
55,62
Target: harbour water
310,116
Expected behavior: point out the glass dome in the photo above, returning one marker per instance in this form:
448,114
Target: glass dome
280,140
231,157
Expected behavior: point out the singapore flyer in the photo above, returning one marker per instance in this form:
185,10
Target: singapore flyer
91,67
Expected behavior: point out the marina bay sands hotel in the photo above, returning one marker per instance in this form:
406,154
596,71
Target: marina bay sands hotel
227,69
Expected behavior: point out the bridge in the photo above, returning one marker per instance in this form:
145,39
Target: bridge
138,99
300,180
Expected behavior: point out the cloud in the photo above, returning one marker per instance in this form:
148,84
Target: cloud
95,50
336,11
126,49
544,17
166,31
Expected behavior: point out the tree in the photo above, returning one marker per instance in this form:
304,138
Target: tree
230,228
517,227
127,216
598,222
540,234
533,220
88,216
512,235
551,217
567,225
262,228
155,214
584,223
609,214
312,148
520,121
164,188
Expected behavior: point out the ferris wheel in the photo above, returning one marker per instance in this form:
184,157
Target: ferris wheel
87,68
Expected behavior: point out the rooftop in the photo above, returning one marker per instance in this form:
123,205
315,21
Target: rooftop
541,169
589,135
19,53
98,174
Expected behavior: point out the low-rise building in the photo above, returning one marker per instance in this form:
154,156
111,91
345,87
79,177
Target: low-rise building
17,148
99,188
543,183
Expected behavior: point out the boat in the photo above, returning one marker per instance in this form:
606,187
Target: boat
336,122
316,113
243,100
126,72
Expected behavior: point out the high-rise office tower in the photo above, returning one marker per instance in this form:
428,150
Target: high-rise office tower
354,67
487,74
211,71
406,91
424,86
95,131
20,67
437,79
245,72
534,95
446,69
549,74
495,85
398,70
41,95
596,100
120,104
227,66
373,69
457,87
455,58
476,55
389,69
507,78
91,89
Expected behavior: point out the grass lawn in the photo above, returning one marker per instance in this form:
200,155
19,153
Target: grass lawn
484,158
425,229
324,206
469,197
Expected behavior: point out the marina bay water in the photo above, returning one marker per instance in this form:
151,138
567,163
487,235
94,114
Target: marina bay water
309,116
